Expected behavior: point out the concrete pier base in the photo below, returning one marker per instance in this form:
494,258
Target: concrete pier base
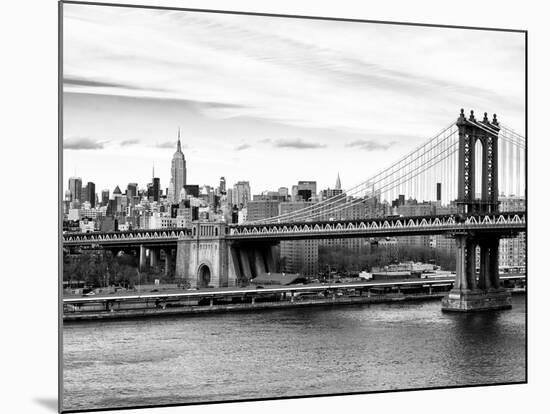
476,300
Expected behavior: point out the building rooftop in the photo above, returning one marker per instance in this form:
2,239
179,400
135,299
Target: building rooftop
278,279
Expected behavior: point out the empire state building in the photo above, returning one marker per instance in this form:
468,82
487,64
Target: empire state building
179,174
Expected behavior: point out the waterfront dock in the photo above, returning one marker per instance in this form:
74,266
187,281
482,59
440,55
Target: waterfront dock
218,300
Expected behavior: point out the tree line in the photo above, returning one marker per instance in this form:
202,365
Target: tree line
341,258
103,270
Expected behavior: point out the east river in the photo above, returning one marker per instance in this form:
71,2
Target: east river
289,352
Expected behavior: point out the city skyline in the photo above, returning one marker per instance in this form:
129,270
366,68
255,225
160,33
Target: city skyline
167,188
237,96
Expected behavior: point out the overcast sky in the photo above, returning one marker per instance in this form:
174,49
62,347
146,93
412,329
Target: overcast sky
268,100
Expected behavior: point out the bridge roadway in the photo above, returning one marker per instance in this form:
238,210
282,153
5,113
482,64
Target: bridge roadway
506,223
500,223
207,293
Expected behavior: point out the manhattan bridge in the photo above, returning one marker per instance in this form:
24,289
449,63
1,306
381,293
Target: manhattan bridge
474,160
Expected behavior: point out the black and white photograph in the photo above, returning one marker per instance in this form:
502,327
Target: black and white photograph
258,206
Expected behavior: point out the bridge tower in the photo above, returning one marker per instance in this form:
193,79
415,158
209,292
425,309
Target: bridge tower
207,258
473,291
202,256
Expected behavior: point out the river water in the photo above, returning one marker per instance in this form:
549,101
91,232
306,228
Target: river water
288,352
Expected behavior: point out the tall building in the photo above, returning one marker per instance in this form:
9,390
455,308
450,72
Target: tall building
338,185
283,192
156,189
414,208
150,191
511,203
262,209
222,185
299,256
131,190
512,251
269,195
241,194
84,194
304,191
329,193
104,197
90,189
178,176
192,190
75,187
443,241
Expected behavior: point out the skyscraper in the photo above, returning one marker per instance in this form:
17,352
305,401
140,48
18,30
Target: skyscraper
104,197
83,194
131,190
304,190
300,256
156,189
241,193
338,183
90,188
75,187
178,173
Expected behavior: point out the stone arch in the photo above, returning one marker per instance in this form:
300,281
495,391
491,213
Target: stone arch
204,274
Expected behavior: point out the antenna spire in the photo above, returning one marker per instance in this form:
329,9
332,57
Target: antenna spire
338,183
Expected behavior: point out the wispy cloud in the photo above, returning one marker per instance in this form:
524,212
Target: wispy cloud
352,88
166,144
370,145
83,143
242,147
95,83
128,142
297,143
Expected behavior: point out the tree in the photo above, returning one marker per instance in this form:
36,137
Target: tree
341,258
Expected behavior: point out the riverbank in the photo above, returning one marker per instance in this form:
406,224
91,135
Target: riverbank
197,309
254,306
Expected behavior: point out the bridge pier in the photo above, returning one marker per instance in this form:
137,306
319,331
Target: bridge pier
493,264
168,259
246,269
142,257
484,281
259,264
154,257
272,256
469,295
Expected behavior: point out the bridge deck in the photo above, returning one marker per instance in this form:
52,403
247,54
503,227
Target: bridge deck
505,223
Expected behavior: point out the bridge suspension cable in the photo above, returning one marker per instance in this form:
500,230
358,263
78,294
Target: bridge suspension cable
512,162
415,175
365,185
380,182
384,189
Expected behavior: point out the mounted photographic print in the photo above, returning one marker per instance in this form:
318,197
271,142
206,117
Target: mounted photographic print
261,206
